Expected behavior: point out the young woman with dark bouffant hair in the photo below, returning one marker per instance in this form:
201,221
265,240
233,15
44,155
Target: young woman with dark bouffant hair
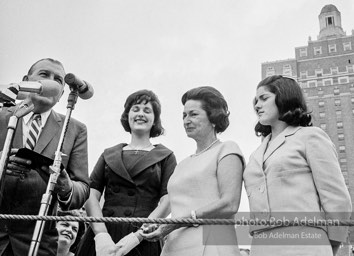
294,174
133,177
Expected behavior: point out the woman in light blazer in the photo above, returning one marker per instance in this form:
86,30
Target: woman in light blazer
293,175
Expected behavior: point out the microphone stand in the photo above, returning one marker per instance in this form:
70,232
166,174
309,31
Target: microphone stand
23,109
55,172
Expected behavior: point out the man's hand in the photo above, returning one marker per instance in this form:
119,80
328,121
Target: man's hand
17,166
64,185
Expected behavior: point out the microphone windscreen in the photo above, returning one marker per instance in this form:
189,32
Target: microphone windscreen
50,88
88,92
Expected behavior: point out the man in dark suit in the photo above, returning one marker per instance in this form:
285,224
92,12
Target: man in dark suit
23,186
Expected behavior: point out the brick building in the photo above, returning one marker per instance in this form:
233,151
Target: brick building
324,68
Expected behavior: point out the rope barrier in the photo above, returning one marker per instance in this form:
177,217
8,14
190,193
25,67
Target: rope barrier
239,222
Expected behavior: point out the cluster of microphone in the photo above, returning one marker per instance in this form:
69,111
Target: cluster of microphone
46,88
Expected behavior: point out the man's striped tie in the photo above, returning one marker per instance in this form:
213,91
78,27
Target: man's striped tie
33,132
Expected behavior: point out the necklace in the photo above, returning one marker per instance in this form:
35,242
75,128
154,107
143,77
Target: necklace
208,147
129,147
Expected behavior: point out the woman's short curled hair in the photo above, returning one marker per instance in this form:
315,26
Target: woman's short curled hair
214,104
143,96
81,230
289,100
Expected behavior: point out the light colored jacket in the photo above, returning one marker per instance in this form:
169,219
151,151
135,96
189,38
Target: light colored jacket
298,176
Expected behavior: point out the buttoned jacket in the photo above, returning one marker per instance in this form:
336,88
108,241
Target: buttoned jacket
297,175
135,193
23,194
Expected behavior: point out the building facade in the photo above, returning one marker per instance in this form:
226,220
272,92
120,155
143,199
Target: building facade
324,68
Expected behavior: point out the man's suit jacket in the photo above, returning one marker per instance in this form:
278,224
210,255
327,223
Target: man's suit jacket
299,175
23,195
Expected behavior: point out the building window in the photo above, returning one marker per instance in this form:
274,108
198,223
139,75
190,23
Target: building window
352,100
340,125
350,68
336,91
332,48
312,83
328,81
323,126
303,84
303,74
347,46
317,50
343,80
318,72
340,136
330,21
338,113
343,160
303,52
321,103
320,92
287,70
341,149
322,114
270,71
345,175
334,71
337,102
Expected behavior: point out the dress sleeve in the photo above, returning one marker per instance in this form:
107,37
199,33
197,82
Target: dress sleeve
335,200
98,175
231,148
167,167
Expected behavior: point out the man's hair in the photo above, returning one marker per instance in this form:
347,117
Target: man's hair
30,71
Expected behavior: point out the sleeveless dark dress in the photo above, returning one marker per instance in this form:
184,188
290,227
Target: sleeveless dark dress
134,182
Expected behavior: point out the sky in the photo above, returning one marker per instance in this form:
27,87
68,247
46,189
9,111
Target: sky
169,47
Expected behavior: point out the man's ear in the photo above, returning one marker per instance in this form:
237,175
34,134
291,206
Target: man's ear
25,78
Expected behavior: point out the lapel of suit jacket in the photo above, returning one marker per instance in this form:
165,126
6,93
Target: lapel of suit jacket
259,153
279,140
50,130
154,156
113,158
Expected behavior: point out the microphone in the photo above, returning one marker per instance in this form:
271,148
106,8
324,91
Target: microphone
84,89
20,91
